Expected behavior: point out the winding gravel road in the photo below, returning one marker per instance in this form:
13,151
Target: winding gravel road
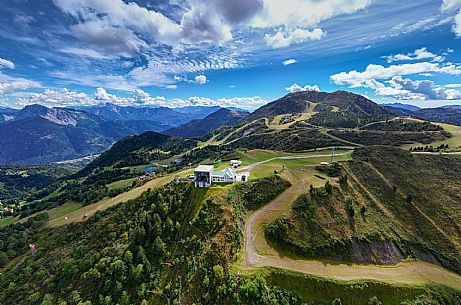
258,253
252,166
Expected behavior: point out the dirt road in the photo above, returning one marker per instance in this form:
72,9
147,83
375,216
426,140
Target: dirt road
252,166
258,253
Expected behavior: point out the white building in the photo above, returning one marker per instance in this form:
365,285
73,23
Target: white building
225,176
202,175
235,163
243,176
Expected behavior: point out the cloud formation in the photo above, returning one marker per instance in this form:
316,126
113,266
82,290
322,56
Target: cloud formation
407,89
368,77
454,6
10,83
289,62
297,88
418,54
283,39
66,98
57,98
200,80
126,29
390,82
5,63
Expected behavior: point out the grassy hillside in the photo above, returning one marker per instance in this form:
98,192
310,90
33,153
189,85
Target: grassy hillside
141,149
341,101
171,243
380,211
307,120
197,128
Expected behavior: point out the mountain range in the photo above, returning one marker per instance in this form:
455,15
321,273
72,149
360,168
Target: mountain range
38,134
445,114
200,127
141,119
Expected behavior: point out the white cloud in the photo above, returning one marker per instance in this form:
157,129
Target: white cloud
117,82
10,84
109,38
407,89
457,25
250,103
62,97
297,88
304,13
289,62
283,39
200,80
82,52
451,4
65,97
122,28
453,86
203,21
373,72
418,54
454,5
102,95
6,63
423,24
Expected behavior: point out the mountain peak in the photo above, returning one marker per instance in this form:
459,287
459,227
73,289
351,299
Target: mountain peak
35,108
298,102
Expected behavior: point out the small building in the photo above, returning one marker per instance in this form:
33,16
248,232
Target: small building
243,177
202,175
225,176
235,163
324,163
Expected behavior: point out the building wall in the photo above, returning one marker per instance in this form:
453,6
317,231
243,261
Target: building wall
202,179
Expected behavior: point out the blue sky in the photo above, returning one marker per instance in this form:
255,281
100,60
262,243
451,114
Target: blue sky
240,53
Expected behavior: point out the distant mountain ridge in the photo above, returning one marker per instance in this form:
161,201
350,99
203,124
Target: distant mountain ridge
451,106
141,119
401,106
442,114
38,134
197,128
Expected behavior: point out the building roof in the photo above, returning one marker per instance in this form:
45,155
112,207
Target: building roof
229,172
204,168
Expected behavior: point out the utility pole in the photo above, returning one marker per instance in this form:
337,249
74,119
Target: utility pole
332,153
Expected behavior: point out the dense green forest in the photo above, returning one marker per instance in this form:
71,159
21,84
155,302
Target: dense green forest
173,245
19,182
134,252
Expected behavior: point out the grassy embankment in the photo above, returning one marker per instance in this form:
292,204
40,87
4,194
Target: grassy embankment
382,214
